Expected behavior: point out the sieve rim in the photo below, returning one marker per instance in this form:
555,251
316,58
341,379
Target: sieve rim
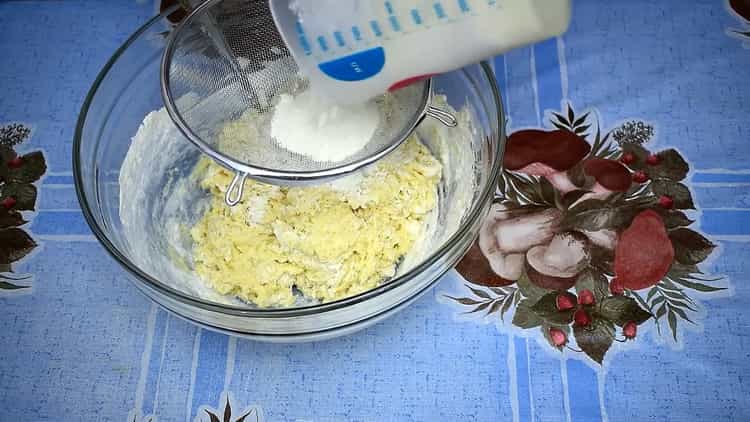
264,173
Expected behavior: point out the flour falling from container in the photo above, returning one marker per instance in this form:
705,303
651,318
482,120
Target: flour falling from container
309,125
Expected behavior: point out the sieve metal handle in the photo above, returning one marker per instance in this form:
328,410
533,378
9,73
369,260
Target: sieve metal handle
238,185
442,116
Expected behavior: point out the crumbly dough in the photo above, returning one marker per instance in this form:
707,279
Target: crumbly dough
329,241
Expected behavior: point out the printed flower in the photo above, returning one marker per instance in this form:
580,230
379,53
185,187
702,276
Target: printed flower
556,265
18,173
587,224
498,256
609,176
546,154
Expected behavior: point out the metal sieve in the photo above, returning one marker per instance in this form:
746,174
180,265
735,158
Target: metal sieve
226,62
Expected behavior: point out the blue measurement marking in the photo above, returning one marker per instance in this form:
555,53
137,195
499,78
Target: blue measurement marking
323,43
416,17
464,5
439,11
376,28
389,7
304,43
356,33
395,24
339,37
492,2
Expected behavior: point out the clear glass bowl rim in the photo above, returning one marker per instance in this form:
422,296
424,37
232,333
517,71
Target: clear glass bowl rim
487,193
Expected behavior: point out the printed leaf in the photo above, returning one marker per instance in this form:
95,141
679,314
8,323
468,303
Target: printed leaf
602,260
243,417
690,247
640,300
506,307
697,286
678,270
559,126
596,339
682,314
580,120
502,186
4,285
213,417
6,154
524,317
530,291
597,283
561,119
661,311
495,307
672,324
589,204
498,291
571,115
672,166
479,308
571,197
581,130
480,293
10,219
548,192
657,301
614,218
14,245
25,195
622,309
32,168
227,412
546,308
679,193
675,219
464,300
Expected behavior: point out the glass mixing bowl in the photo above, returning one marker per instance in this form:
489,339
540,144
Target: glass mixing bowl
127,90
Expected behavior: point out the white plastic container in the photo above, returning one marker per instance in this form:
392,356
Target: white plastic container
353,50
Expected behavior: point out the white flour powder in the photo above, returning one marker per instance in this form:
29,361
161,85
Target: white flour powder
307,125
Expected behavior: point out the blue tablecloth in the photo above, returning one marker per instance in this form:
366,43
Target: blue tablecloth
82,344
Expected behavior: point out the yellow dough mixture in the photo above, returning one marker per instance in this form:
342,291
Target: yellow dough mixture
329,241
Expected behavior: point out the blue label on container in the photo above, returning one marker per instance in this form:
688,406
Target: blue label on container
356,67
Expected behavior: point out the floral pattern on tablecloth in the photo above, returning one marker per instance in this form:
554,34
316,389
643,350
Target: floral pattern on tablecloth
18,193
590,238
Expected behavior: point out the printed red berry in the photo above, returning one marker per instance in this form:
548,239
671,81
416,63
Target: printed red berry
9,202
15,163
581,318
629,330
666,202
565,302
558,337
640,177
586,297
627,158
616,287
653,160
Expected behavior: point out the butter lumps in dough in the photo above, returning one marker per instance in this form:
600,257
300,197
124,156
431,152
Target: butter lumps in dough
330,241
